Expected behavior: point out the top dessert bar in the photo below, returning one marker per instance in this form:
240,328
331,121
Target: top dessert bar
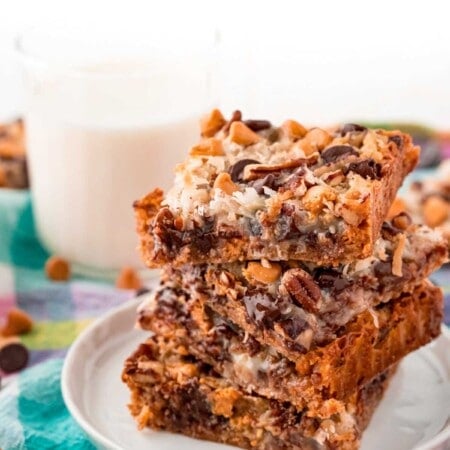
251,190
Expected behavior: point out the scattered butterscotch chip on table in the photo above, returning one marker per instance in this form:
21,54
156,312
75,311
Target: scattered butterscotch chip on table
57,268
17,322
128,278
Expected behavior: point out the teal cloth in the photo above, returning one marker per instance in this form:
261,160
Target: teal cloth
35,417
32,412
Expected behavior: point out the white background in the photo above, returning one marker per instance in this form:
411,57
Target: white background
316,60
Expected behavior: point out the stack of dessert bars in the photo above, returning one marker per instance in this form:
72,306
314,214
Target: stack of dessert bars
286,298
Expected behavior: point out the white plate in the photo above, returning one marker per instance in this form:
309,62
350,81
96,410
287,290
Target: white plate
413,414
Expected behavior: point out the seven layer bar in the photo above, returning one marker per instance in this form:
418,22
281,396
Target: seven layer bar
285,301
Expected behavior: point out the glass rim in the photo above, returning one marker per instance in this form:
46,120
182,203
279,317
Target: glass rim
144,69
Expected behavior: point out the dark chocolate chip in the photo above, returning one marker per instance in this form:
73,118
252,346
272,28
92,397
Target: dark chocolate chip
293,326
142,291
338,152
13,357
397,140
237,169
383,269
235,117
367,168
351,127
388,231
257,125
331,279
270,181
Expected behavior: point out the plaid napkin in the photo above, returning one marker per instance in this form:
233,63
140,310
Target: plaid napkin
32,412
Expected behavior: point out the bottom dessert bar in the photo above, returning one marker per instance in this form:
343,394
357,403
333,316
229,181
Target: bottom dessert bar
366,346
178,393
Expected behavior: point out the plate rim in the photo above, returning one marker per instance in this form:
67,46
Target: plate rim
98,437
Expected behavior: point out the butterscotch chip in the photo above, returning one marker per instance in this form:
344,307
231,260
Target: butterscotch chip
57,268
398,206
241,134
128,279
435,210
257,272
293,129
17,322
212,123
314,141
224,182
209,147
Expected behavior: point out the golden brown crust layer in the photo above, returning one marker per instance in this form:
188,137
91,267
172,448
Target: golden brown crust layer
368,345
172,391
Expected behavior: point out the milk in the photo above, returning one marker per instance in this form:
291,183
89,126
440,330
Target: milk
84,182
97,141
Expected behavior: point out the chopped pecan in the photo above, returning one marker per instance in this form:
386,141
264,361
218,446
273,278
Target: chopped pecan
302,288
254,171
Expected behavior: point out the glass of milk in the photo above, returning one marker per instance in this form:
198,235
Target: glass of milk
107,119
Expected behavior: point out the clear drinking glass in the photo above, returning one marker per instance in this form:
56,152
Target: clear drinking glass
107,119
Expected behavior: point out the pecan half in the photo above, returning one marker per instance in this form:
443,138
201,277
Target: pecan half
302,288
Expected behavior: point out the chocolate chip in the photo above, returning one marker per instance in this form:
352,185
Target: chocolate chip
331,279
367,168
237,169
388,231
13,357
142,291
383,269
337,152
293,326
257,125
271,180
397,140
235,117
351,127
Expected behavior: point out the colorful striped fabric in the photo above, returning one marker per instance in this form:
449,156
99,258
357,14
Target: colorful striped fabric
32,413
